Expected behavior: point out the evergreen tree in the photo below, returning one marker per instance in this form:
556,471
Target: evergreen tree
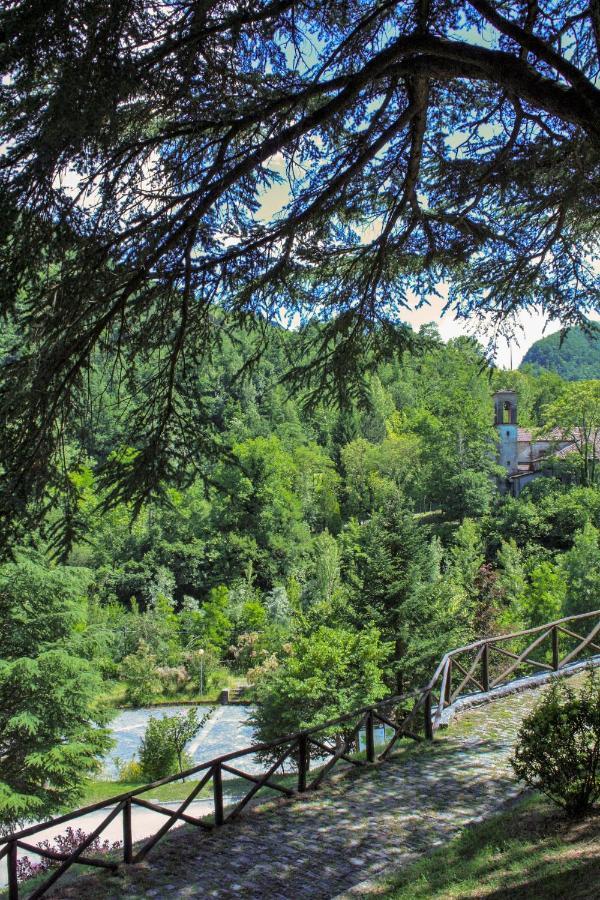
545,594
357,122
466,557
51,725
394,563
326,581
513,584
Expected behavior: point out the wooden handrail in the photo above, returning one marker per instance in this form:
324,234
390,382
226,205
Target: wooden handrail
299,742
187,773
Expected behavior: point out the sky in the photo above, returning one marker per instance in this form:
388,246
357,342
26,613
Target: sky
530,326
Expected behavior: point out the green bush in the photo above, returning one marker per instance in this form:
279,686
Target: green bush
130,772
141,676
558,747
330,672
162,751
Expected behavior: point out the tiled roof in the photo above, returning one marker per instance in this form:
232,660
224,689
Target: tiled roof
572,447
570,442
523,435
566,451
555,436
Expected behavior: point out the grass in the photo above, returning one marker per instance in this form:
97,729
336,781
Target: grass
177,790
234,787
530,852
114,694
95,791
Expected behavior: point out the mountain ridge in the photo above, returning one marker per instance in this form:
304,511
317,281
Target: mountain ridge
574,355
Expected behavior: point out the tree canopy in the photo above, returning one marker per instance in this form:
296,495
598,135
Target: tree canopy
412,140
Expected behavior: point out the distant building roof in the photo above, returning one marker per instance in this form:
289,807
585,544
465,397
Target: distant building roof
570,443
556,435
566,451
576,442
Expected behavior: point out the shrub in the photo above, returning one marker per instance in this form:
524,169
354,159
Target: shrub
130,772
330,672
249,651
558,748
140,674
174,679
62,843
163,746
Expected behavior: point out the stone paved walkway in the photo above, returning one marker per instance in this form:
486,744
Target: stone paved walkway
354,829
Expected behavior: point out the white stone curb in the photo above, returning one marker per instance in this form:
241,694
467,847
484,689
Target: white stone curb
514,687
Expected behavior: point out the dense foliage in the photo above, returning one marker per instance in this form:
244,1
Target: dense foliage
330,557
558,748
575,356
331,672
51,730
288,161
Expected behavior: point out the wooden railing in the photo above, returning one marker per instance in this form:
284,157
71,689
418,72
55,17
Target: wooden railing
495,661
476,668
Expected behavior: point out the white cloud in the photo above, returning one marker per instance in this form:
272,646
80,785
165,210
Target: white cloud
530,326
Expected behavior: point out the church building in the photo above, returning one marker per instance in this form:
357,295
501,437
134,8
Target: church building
522,456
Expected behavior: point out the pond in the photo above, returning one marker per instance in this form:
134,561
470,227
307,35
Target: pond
226,730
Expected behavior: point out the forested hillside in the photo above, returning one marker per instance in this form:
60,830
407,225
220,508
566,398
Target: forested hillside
327,555
575,356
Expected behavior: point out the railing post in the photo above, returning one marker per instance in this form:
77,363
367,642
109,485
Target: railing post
127,835
485,668
370,736
218,793
13,882
303,761
555,656
448,691
427,717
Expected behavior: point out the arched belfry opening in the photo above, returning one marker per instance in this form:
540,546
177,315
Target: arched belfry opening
506,408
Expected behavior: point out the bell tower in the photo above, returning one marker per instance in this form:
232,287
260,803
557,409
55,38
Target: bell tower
505,407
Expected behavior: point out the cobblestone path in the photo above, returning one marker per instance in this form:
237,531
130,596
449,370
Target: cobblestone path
352,830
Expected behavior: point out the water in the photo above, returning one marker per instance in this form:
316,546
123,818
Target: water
226,730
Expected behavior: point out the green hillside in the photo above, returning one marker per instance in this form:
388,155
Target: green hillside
577,358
